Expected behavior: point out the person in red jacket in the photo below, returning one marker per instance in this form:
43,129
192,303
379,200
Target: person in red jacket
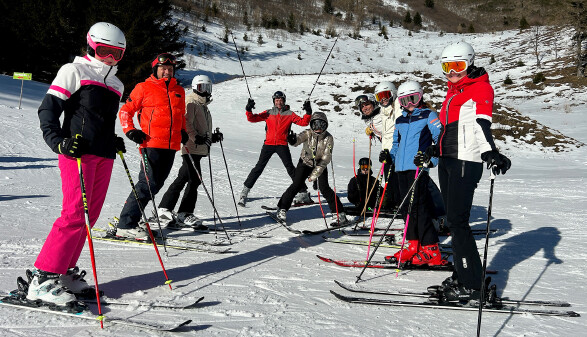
278,122
160,103
465,143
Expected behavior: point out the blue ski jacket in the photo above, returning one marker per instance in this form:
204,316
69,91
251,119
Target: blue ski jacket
414,131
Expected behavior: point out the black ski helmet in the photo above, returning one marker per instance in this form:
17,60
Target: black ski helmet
278,94
365,161
163,59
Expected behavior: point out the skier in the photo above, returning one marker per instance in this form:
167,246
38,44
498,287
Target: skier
465,143
314,158
87,92
278,122
160,102
199,129
358,189
416,129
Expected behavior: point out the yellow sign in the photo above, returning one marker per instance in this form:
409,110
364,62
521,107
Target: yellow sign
23,76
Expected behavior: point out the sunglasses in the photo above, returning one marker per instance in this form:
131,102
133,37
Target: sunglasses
104,51
454,66
412,99
383,95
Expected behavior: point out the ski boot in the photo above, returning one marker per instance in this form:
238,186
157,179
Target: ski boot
74,281
192,221
48,288
339,220
165,215
137,233
406,254
303,198
429,255
243,198
281,214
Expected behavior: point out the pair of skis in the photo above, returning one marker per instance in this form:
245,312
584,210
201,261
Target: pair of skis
333,226
506,306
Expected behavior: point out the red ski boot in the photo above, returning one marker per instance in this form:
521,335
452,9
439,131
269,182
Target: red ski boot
406,254
429,255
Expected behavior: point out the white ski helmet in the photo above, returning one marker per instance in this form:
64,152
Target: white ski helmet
365,98
202,85
457,52
406,92
381,91
106,33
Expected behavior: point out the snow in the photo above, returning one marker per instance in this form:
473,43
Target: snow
275,286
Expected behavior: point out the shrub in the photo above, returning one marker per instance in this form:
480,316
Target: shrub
538,78
508,80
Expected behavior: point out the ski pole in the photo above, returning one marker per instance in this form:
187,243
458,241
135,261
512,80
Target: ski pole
406,226
310,95
388,226
369,176
229,181
145,162
211,180
241,62
375,216
206,190
492,179
151,236
334,188
364,211
89,233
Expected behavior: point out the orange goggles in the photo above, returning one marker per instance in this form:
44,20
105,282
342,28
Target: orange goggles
382,95
365,167
454,66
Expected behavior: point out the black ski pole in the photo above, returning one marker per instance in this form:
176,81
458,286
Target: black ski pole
151,236
211,180
241,62
229,181
89,234
206,190
492,178
389,225
310,95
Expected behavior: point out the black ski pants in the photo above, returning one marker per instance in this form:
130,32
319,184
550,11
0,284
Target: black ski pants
267,152
159,164
458,181
302,173
186,175
420,226
392,197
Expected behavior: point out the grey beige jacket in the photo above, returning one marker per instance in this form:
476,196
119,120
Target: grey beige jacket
317,149
198,122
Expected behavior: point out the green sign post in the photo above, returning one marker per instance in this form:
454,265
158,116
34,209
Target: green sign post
23,77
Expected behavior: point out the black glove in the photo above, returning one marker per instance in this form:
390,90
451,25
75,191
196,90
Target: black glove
315,185
217,137
307,107
119,144
420,160
292,138
200,140
384,156
498,161
73,147
137,136
250,105
432,151
184,137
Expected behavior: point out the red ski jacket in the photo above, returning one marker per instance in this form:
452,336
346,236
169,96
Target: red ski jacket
278,123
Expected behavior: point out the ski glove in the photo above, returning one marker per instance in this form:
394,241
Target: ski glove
119,144
307,107
184,137
136,135
73,147
201,140
421,160
431,151
250,105
384,156
217,137
292,138
498,161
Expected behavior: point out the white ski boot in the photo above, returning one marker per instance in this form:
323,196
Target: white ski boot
74,281
48,288
243,198
303,198
339,220
281,214
165,215
137,233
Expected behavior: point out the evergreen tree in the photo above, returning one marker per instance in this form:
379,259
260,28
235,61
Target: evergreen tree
328,8
418,20
408,18
524,23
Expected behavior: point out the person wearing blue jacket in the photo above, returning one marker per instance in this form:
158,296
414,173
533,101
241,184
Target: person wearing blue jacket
415,130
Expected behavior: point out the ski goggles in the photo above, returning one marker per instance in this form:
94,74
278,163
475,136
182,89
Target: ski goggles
164,58
365,167
454,66
204,87
318,124
412,99
382,95
104,51
361,101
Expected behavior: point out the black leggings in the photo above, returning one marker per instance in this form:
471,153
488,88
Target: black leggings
267,152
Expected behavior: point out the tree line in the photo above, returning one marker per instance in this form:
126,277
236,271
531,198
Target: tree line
41,36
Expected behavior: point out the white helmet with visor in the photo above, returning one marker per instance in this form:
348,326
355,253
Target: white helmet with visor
410,93
457,57
106,40
202,85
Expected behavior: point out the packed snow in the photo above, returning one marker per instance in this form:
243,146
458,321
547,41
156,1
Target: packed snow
274,285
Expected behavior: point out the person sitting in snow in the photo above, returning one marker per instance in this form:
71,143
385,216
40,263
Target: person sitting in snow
314,159
358,188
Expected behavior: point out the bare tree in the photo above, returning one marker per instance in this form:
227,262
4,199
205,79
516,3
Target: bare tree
578,13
